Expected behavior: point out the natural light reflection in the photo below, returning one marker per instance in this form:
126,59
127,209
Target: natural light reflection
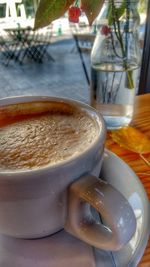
138,211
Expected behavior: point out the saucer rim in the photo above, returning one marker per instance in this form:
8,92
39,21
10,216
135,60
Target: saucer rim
144,235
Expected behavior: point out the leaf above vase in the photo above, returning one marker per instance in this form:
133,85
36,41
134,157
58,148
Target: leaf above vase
49,10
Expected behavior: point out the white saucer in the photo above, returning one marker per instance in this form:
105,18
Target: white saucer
121,176
63,250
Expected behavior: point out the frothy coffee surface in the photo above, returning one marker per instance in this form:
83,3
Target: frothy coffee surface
33,135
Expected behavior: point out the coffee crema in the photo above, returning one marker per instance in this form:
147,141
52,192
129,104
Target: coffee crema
37,134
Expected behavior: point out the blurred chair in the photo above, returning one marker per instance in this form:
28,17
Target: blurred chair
9,48
84,38
84,34
36,45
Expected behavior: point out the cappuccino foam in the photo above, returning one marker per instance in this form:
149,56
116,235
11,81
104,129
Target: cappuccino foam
37,134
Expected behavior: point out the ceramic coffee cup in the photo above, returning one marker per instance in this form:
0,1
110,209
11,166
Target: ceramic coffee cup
40,201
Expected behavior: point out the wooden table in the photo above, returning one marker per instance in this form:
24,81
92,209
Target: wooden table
141,121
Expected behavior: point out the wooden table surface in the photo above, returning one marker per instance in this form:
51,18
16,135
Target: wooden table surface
141,121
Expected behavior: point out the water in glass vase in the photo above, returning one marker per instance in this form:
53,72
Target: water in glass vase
115,62
112,94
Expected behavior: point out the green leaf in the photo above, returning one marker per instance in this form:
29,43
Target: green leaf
92,8
114,12
49,10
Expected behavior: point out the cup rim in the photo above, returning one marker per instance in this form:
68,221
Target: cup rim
30,98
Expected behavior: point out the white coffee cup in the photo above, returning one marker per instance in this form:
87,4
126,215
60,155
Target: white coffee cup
39,202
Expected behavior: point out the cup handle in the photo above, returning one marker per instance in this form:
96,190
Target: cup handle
116,212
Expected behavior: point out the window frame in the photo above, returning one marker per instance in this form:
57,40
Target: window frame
3,5
144,83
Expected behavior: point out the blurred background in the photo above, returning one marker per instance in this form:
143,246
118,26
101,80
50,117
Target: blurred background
54,60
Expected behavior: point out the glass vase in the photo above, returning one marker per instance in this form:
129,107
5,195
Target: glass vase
115,62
